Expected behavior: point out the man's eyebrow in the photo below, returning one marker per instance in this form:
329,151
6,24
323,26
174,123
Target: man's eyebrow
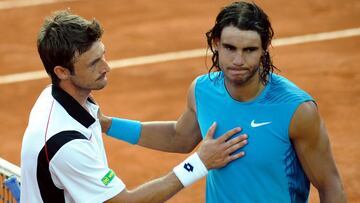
228,45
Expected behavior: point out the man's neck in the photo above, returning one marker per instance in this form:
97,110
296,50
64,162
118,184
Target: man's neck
80,95
247,91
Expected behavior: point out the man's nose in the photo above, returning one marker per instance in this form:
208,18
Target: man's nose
106,67
238,59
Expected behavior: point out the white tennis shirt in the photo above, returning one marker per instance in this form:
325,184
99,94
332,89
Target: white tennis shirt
77,170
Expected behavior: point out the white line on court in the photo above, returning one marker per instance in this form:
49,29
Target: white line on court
171,56
23,3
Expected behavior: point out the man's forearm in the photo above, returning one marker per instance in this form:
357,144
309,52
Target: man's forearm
157,135
333,195
158,190
162,135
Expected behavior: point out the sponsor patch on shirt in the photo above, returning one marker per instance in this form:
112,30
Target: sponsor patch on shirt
108,177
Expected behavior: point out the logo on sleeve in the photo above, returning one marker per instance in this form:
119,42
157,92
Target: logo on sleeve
108,177
188,167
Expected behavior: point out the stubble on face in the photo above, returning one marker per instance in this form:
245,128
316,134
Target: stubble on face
239,55
90,69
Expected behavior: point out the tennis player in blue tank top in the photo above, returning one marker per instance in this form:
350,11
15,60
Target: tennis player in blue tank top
270,166
287,144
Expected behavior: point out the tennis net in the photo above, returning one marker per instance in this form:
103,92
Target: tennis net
9,182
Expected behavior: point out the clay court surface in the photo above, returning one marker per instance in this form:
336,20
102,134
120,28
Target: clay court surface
329,70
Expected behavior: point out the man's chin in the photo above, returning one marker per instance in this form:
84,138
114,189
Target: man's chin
100,86
238,80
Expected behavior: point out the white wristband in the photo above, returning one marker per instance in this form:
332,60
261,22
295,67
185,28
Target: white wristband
190,170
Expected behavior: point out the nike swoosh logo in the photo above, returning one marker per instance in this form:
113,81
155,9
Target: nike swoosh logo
255,125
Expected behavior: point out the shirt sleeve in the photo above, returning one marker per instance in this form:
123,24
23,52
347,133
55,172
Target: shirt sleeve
80,171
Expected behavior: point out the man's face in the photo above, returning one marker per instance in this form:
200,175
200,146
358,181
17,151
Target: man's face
240,52
90,68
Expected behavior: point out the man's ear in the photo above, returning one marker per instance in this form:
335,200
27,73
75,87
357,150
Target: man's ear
61,72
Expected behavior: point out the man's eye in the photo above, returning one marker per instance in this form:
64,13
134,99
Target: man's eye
248,50
230,48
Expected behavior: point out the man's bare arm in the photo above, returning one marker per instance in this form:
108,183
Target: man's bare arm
308,133
181,136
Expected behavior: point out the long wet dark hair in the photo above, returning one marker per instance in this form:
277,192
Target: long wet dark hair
245,16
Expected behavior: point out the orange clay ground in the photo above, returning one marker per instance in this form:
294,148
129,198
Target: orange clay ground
328,70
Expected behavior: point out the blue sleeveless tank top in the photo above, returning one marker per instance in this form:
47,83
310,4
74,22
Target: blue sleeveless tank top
270,170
